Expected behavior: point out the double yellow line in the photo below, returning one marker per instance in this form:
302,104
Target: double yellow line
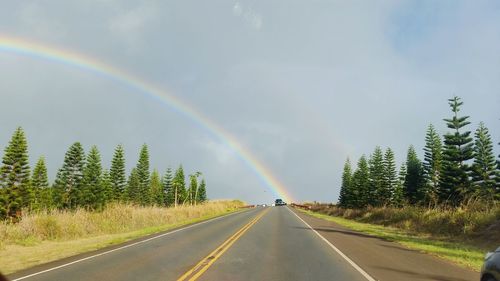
205,263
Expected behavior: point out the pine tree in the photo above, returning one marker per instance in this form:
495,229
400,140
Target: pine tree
484,167
497,179
414,180
377,189
143,176
179,186
93,195
107,187
361,184
15,176
458,149
202,192
432,163
117,174
40,186
390,177
346,196
398,198
156,189
132,190
193,189
167,188
68,183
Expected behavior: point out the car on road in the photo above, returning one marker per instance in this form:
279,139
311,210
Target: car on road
491,266
279,202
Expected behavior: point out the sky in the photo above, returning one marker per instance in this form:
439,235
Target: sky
301,85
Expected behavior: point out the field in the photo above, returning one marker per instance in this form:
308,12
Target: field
51,235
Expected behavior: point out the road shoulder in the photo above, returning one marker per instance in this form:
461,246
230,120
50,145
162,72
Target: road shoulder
385,260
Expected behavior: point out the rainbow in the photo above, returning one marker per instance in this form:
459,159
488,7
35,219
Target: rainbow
34,49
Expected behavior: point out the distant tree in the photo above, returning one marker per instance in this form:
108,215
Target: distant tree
117,174
398,199
484,168
143,176
414,181
458,149
377,191
179,185
432,163
346,196
361,184
192,190
40,186
133,191
156,189
69,179
497,178
15,176
107,187
167,188
93,195
202,192
390,177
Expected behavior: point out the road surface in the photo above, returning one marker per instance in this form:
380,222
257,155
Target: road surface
274,243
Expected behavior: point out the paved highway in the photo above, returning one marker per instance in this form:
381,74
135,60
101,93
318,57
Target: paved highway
275,243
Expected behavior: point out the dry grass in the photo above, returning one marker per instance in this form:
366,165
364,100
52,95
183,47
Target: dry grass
475,221
48,236
460,234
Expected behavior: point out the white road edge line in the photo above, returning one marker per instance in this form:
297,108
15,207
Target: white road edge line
357,267
124,247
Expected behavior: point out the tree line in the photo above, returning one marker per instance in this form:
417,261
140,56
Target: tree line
82,182
455,168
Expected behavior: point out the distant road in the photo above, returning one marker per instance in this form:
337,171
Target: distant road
274,243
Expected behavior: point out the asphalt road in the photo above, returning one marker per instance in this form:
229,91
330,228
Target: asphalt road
272,243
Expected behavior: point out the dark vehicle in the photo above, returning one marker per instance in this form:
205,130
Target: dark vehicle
491,266
279,202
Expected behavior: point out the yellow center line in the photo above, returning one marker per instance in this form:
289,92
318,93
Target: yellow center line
195,272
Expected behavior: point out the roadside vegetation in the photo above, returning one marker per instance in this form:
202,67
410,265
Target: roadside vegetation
464,250
40,237
448,204
82,182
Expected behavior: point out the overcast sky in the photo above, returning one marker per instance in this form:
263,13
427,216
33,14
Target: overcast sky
301,84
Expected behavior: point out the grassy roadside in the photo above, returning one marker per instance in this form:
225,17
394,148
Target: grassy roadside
41,238
458,252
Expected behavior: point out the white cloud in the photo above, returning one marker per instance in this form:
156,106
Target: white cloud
248,15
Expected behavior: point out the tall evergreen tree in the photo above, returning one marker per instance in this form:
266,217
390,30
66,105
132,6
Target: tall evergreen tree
167,188
143,175
346,196
458,150
15,176
40,186
361,184
377,191
398,198
390,177
497,178
93,195
202,192
117,174
179,186
132,190
69,179
193,189
156,189
484,168
107,187
414,181
432,163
